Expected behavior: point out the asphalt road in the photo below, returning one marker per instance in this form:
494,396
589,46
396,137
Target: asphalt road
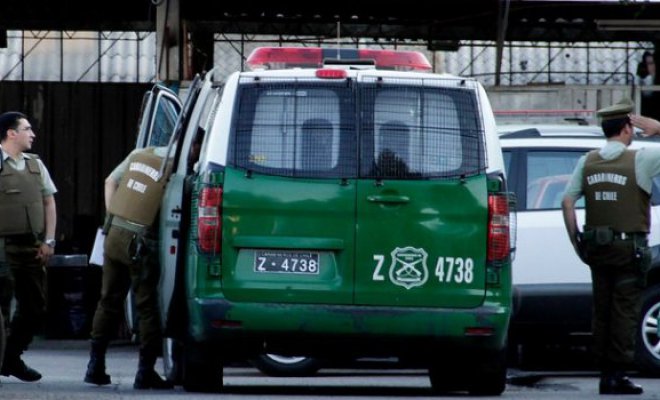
63,364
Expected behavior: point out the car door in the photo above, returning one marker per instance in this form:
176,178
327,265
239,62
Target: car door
421,208
289,194
160,109
552,285
192,118
541,177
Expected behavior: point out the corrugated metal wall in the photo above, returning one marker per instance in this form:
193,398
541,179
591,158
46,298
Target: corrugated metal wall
83,130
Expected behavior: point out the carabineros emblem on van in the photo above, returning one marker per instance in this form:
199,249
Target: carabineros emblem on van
408,268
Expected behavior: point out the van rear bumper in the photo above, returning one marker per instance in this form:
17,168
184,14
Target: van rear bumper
362,329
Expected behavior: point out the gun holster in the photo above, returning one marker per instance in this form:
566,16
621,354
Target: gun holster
107,223
598,235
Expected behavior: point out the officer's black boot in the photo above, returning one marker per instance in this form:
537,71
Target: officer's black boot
147,377
13,365
618,383
96,367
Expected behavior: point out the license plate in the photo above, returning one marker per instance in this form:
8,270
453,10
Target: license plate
288,262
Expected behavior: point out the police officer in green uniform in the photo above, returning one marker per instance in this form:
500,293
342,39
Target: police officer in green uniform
4,275
27,228
616,185
133,191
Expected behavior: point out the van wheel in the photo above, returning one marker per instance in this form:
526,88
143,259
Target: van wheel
277,365
489,379
533,356
648,336
201,370
446,378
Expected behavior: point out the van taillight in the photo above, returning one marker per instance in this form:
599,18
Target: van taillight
499,244
209,220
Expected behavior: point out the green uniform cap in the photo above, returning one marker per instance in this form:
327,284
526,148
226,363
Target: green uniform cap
618,110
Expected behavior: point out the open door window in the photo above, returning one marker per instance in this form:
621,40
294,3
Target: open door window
160,109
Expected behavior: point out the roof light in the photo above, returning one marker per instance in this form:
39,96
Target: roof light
285,57
313,57
398,60
329,73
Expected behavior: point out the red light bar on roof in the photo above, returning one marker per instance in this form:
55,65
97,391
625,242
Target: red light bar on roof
399,60
285,57
313,57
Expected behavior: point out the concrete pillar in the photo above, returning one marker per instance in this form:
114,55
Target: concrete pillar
169,41
199,54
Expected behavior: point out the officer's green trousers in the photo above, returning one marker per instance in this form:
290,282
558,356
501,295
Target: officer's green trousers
617,294
121,272
23,277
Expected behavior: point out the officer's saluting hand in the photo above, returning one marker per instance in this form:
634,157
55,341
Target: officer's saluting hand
649,126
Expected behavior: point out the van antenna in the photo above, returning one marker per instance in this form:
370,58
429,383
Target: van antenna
338,40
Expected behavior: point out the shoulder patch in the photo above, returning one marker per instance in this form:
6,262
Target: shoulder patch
33,165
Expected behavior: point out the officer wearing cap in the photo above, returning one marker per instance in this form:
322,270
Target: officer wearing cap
616,185
133,191
27,228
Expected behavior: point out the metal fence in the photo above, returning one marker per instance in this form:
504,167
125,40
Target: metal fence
67,56
523,63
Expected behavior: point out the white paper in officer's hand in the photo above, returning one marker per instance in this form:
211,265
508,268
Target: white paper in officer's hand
97,251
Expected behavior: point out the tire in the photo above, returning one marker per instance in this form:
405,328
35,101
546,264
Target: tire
532,356
283,366
490,378
447,378
648,338
485,379
201,372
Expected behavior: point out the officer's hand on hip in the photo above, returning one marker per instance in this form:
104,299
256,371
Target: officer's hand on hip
45,252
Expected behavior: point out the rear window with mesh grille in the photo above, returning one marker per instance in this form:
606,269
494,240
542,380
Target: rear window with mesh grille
348,130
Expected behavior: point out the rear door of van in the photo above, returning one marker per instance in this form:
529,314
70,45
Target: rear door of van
422,207
289,193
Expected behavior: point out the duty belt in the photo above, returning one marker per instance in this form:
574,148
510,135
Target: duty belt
129,226
628,235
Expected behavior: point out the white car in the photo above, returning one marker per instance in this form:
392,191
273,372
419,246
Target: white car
552,287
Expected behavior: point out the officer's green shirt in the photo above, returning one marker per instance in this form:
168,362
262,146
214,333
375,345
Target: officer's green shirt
647,165
47,186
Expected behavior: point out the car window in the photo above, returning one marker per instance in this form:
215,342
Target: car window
655,191
293,129
417,131
548,174
507,164
164,121
310,129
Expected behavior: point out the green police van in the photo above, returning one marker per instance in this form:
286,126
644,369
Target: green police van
335,203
